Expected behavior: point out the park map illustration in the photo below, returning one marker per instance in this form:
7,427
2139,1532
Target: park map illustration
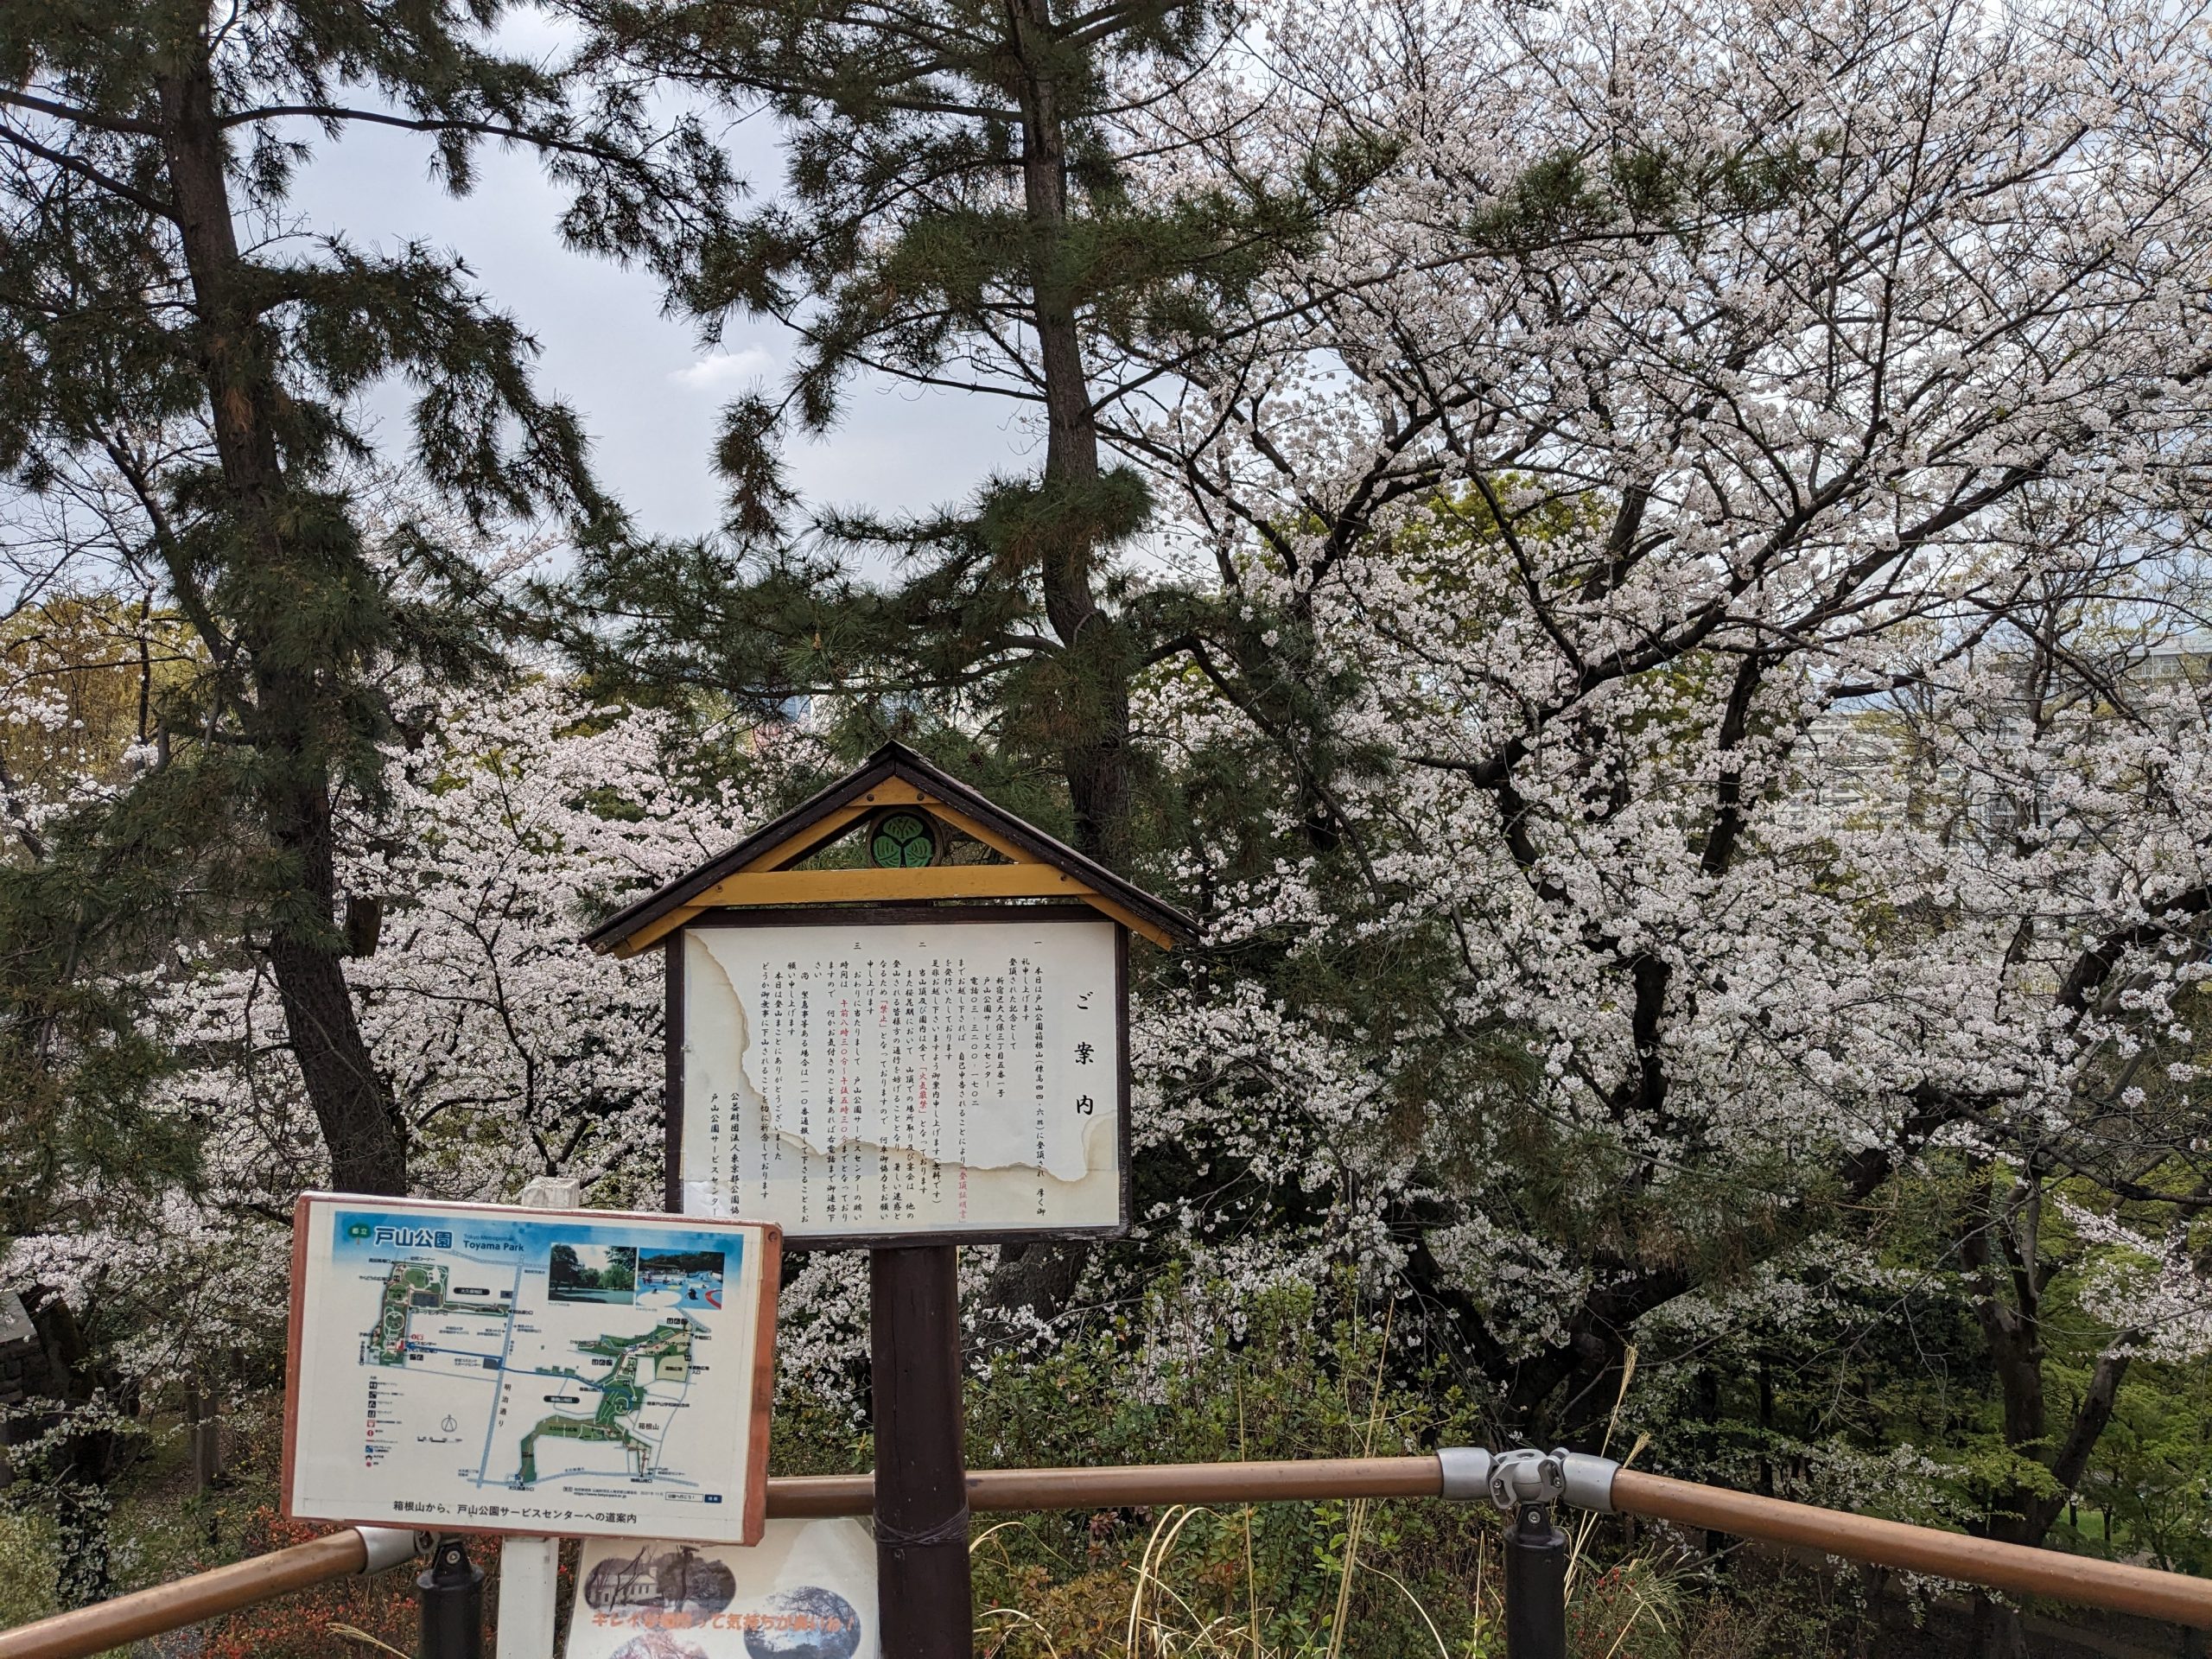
521,1373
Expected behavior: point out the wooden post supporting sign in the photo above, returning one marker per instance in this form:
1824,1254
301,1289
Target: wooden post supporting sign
921,1466
925,1052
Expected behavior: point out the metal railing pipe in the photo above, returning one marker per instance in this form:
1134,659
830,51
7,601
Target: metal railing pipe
1134,1485
2174,1596
208,1595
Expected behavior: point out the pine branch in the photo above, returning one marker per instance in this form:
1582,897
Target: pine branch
338,114
79,115
85,170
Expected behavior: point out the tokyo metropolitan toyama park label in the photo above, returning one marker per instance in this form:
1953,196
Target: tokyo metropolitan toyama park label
460,1367
866,1078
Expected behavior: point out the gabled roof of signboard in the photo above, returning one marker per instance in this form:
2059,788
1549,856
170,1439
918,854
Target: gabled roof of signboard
833,811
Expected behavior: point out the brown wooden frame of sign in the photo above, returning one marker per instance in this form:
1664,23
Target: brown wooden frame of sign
880,915
760,868
764,1349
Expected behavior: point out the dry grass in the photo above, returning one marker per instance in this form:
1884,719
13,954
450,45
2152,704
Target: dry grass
1195,1590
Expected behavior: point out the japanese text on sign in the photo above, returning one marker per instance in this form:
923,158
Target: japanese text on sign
875,1079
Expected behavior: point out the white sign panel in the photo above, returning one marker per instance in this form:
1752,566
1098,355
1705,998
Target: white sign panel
479,1367
865,1079
806,1591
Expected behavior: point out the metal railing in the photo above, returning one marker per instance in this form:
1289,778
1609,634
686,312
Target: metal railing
210,1595
1527,1484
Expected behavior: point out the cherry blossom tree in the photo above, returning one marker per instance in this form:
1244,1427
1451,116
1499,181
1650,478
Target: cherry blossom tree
1680,691
509,818
1711,388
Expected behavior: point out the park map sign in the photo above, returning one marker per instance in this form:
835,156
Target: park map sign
577,1374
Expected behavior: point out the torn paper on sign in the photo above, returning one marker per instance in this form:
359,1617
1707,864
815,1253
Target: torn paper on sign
984,1045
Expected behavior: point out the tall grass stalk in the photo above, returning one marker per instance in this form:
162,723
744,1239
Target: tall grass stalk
1582,1531
1475,1643
1251,1572
1356,1510
1151,1577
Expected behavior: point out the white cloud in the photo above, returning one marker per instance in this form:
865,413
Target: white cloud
726,370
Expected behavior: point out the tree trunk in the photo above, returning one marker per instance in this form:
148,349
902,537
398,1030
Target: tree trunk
2000,1249
1874,1583
1095,753
1041,1276
283,719
1997,1632
1094,718
77,1462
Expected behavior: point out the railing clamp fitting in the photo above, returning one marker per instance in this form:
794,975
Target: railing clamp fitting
1578,1479
1526,1484
1466,1472
1528,1479
385,1548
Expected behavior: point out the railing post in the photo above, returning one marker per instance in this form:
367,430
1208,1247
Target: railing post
1535,1585
452,1593
529,1568
1525,1485
528,1596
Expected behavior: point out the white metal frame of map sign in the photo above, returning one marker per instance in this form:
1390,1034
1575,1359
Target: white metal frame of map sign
901,1073
438,1349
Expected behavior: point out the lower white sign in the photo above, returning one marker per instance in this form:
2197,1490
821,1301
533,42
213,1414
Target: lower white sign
476,1367
806,1591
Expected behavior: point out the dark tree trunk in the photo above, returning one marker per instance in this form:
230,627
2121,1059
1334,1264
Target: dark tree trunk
283,715
1095,751
1997,1632
1874,1642
2000,1249
1096,669
77,1463
1039,1276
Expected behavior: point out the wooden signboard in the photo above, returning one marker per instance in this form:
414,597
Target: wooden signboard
928,1052
486,1368
920,1050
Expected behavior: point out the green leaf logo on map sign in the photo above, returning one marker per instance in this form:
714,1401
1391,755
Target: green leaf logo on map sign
902,840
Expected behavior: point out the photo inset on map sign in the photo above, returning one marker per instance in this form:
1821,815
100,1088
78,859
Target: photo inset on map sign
806,1591
807,1623
679,1278
592,1273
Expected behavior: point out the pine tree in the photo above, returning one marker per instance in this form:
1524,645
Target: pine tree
165,324
975,201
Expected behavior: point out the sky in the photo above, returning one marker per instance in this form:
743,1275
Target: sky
647,392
